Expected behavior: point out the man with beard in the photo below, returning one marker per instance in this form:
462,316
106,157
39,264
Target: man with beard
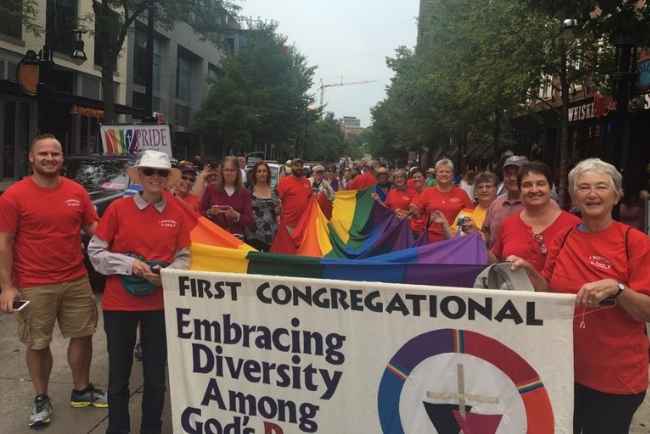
41,218
294,191
506,204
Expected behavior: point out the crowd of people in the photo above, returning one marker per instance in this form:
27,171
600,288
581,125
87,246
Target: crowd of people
582,251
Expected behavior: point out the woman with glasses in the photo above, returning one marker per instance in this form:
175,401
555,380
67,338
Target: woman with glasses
228,203
266,208
136,237
529,233
605,263
183,188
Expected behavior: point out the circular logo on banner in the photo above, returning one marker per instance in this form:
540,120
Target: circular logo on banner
449,381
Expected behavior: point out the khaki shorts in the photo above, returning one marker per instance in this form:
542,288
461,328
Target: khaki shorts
71,303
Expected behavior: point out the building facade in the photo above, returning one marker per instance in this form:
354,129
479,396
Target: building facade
71,108
184,66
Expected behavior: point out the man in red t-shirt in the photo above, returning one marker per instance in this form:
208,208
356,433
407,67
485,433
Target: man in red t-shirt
294,192
41,260
366,179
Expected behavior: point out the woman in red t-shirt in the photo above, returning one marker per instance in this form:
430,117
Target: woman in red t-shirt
529,233
444,197
229,204
135,237
399,197
606,264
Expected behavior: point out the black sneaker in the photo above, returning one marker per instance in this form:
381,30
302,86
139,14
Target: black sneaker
90,396
41,411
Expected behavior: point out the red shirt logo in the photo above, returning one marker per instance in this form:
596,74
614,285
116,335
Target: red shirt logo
600,262
73,203
171,224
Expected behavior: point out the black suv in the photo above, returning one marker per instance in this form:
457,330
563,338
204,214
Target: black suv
105,179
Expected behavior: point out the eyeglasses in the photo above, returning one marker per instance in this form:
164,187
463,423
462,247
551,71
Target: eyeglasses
148,171
188,178
540,241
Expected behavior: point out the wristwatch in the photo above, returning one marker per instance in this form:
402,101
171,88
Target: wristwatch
621,288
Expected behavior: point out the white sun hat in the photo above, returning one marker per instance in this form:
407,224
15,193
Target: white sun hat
154,160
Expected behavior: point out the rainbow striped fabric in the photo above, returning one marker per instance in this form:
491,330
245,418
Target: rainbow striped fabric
362,242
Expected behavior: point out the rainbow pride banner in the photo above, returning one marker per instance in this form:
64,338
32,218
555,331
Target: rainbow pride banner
367,244
134,139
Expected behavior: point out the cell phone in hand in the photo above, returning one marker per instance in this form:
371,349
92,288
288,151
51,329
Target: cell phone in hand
19,305
155,269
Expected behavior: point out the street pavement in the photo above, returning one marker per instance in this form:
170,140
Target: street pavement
16,391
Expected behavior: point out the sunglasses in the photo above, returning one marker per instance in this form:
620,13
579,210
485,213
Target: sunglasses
163,173
188,178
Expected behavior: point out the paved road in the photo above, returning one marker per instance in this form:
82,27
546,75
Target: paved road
16,390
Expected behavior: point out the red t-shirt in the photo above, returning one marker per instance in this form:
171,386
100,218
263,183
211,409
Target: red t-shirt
516,238
363,181
450,203
146,233
294,194
399,199
611,351
192,200
47,224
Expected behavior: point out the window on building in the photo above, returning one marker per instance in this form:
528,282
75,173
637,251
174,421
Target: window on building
11,19
214,73
139,100
60,22
229,46
182,115
140,59
184,77
140,56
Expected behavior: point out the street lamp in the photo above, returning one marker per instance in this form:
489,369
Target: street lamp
78,45
34,69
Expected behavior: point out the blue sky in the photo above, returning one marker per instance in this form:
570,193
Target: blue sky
348,39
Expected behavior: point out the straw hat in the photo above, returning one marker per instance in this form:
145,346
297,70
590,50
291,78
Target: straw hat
154,160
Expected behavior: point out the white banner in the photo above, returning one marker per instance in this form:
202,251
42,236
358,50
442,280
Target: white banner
134,139
277,355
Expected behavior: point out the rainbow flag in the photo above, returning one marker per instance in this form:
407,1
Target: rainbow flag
362,242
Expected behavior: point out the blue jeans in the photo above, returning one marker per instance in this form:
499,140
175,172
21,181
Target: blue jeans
121,331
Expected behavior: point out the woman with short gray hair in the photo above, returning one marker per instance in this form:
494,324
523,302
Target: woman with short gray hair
605,264
442,202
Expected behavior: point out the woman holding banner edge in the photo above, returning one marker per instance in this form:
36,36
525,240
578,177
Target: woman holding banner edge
605,264
135,238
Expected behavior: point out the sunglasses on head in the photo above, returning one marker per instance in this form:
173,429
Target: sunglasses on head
148,171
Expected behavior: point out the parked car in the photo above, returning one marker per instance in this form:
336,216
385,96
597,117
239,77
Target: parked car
105,179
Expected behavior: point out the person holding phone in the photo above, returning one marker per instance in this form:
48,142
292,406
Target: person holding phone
135,237
228,203
41,218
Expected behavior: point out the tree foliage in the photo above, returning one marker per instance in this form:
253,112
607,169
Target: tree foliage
480,64
263,96
113,18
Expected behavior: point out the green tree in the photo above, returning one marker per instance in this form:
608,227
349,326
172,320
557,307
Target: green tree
113,18
262,97
324,141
